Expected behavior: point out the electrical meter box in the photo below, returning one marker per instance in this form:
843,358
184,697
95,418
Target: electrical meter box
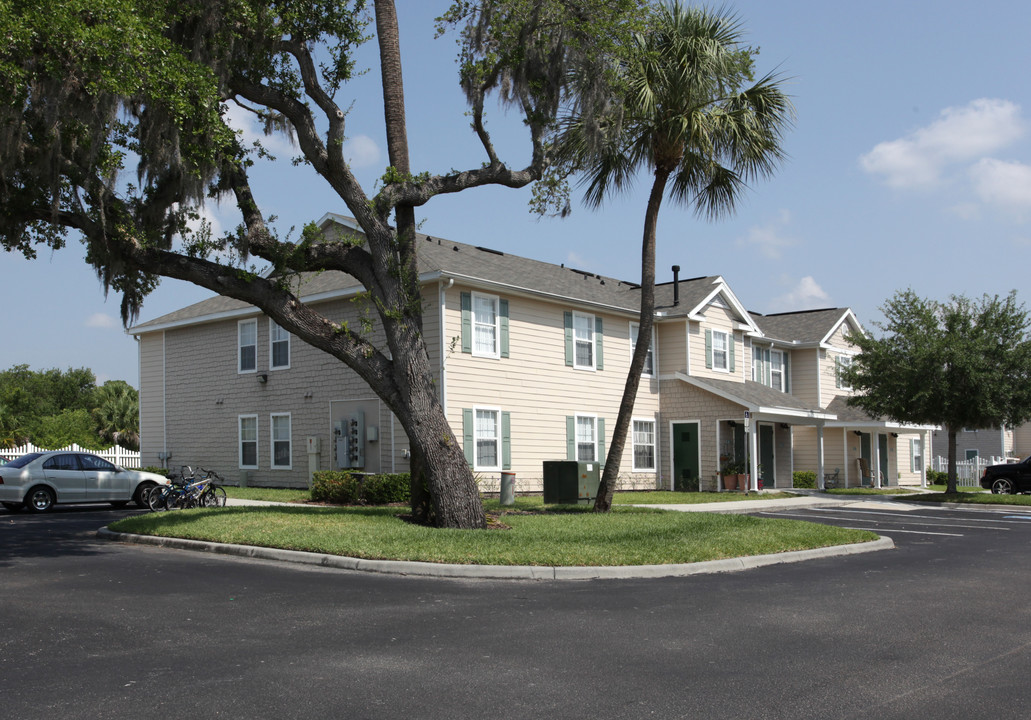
350,442
568,482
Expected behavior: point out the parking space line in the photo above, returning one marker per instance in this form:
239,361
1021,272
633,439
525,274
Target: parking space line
901,520
910,532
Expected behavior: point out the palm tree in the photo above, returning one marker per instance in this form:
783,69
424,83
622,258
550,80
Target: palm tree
680,108
117,414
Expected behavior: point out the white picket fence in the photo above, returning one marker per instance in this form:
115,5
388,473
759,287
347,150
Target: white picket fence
968,472
117,455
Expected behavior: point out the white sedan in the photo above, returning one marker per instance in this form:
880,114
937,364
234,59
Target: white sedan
39,480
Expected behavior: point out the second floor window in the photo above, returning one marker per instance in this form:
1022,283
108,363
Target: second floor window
583,340
485,325
279,346
777,370
247,340
720,353
649,360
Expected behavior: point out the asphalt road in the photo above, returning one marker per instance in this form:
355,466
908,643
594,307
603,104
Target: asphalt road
938,628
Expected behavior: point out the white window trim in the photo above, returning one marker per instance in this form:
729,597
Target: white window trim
272,440
272,324
240,441
594,433
240,346
727,339
651,348
496,300
594,341
476,438
654,445
916,450
840,363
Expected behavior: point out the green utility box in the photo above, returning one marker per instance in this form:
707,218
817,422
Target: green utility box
568,482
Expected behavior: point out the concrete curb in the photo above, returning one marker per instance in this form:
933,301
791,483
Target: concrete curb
500,572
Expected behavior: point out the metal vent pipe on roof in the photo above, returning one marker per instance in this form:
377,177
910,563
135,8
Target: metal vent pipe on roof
676,284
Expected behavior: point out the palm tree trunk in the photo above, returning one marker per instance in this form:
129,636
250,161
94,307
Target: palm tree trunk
603,503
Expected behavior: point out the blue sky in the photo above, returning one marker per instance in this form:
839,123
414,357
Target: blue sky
909,167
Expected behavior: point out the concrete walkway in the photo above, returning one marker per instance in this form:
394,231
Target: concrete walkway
533,572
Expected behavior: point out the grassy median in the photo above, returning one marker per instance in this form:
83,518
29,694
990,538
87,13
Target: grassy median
525,535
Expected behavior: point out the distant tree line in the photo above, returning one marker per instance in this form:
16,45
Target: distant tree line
54,408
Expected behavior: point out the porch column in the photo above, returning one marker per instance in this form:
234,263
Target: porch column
819,455
876,437
753,452
923,459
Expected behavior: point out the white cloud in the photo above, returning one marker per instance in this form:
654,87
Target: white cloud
960,134
361,151
806,295
1002,183
770,238
102,321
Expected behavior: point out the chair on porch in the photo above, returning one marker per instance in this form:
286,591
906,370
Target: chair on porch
830,480
865,476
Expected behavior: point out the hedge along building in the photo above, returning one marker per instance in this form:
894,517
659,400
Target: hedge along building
530,359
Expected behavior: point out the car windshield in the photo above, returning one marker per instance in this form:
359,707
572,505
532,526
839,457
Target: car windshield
23,460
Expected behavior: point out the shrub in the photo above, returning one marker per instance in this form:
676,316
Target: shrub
157,470
937,477
353,488
803,479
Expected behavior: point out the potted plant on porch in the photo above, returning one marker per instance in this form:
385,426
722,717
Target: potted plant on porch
734,477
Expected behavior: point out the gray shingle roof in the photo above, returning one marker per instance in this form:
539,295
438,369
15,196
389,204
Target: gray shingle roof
808,326
754,394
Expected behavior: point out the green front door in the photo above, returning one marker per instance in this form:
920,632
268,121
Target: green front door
882,449
766,467
686,463
866,454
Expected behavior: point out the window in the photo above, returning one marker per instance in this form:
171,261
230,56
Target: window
586,438
720,351
488,440
485,325
247,333
841,363
916,455
777,371
92,462
281,450
248,441
649,360
644,445
279,346
583,340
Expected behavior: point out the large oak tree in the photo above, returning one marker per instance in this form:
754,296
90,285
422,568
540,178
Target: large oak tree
91,89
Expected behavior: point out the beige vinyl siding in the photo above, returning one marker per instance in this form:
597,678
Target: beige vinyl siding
906,475
151,396
204,397
539,390
805,375
672,346
716,318
1022,440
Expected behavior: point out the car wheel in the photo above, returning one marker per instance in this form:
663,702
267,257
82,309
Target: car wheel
142,495
14,507
1002,486
40,499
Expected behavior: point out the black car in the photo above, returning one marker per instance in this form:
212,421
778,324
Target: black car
1008,478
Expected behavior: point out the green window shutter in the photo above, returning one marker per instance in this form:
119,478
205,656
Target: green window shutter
786,369
468,437
570,437
730,349
467,322
567,320
503,326
601,440
598,335
768,371
708,349
506,441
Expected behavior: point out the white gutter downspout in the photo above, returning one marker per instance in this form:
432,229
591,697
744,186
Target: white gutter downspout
443,344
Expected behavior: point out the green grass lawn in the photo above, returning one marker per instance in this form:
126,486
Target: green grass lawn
268,494
559,537
977,497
